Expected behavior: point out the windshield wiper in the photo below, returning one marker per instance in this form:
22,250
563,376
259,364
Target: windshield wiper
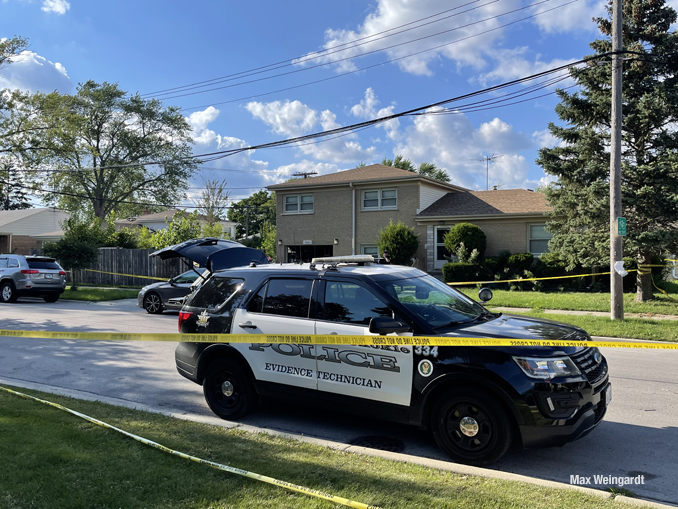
452,323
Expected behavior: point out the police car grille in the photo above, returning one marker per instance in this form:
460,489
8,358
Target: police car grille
587,364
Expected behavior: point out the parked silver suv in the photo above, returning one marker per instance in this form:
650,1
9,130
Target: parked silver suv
34,276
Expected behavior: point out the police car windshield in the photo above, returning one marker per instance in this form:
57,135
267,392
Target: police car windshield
433,301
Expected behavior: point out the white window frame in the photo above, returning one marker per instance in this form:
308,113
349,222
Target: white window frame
298,197
363,247
530,239
380,198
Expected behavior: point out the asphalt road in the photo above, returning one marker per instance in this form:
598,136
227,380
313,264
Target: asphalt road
639,434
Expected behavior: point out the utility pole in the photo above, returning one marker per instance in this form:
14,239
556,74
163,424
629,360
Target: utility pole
616,282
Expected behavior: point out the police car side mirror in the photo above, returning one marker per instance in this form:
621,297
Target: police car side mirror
485,294
387,325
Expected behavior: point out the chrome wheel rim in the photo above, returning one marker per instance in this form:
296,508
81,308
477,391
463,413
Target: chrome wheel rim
6,292
152,303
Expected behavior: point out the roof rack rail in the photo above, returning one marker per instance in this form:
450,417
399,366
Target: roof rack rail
334,260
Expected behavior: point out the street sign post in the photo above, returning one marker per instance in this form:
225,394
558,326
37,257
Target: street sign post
621,226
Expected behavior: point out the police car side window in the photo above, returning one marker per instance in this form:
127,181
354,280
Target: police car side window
257,301
288,297
351,303
217,294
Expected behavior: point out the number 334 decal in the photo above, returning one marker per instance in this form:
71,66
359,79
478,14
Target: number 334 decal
426,351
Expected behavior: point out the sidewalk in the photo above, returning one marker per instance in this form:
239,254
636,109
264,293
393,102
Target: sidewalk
652,316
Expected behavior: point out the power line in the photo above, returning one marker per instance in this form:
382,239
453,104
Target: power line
319,53
382,49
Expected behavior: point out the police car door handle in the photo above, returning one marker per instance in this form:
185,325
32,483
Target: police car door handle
247,325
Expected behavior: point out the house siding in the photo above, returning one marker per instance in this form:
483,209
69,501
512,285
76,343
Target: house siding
429,194
44,221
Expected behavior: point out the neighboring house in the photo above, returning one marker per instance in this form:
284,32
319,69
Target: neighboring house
512,219
342,213
158,221
20,229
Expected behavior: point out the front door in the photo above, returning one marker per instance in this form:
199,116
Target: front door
281,306
377,373
440,249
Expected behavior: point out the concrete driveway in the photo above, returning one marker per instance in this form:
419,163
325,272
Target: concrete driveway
639,435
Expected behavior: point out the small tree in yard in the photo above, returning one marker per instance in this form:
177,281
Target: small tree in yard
580,197
400,241
466,234
181,228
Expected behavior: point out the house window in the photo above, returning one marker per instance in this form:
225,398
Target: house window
298,204
380,199
539,239
370,249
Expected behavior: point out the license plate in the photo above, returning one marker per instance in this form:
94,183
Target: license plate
608,395
48,276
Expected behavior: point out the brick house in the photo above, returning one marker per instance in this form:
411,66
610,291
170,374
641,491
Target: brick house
19,228
342,213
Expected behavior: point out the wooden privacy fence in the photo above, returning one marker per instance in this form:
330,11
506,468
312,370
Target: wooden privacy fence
129,261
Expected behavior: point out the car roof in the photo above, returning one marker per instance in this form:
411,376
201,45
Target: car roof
360,271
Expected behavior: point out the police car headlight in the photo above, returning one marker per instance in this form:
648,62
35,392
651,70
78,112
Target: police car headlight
547,368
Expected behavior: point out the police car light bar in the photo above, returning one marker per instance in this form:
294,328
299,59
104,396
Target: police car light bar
345,259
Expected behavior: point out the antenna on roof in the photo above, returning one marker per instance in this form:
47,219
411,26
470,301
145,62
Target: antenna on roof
304,174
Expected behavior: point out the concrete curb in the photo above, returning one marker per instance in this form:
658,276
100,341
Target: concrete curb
455,468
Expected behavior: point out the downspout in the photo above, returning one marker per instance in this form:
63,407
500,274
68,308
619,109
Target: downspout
352,220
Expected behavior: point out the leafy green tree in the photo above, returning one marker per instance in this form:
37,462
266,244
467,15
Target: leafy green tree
251,213
115,148
182,227
580,197
213,200
10,49
400,241
471,235
144,238
268,239
426,169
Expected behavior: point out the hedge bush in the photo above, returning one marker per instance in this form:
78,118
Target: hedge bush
470,234
400,241
460,272
520,262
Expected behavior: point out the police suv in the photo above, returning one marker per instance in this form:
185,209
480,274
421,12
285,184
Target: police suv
475,400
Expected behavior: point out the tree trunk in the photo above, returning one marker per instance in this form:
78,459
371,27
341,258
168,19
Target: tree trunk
644,291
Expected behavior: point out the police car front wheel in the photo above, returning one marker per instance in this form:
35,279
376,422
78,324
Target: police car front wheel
228,389
471,426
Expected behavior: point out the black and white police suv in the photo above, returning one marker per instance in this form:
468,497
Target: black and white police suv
475,400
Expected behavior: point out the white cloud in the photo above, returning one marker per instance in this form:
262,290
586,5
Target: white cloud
454,144
34,73
513,64
289,118
56,6
367,109
575,17
293,118
392,13
544,138
199,120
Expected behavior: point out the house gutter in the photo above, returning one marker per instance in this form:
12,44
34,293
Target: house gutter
352,219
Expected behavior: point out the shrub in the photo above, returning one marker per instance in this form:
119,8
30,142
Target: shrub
460,272
400,241
494,265
504,254
470,235
520,262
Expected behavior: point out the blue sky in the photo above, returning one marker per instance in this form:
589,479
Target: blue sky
148,46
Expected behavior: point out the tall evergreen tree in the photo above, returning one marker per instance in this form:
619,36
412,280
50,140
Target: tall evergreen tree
580,197
13,188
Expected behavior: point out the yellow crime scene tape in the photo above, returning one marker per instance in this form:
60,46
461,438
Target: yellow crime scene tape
127,275
218,466
522,280
329,339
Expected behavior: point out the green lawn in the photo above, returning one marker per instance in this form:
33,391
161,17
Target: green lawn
581,301
83,293
54,459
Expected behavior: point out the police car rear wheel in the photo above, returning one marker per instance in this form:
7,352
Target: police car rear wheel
471,426
228,389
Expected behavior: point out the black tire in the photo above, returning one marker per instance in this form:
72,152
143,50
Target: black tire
7,292
51,298
482,446
153,303
240,398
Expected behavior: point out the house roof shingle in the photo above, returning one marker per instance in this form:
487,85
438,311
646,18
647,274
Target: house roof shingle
158,217
482,203
363,174
9,216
